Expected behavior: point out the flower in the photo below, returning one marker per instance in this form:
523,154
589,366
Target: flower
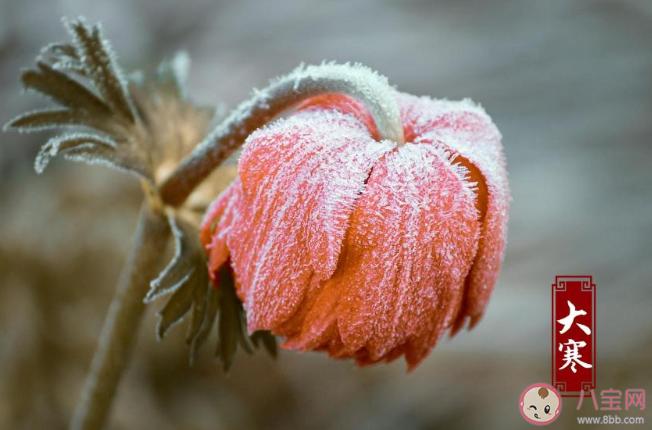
363,248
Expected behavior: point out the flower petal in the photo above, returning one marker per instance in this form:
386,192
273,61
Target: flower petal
300,179
216,226
410,245
466,130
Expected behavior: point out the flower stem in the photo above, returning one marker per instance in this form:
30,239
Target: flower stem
121,324
126,310
358,81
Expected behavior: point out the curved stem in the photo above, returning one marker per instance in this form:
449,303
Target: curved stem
121,324
358,81
119,331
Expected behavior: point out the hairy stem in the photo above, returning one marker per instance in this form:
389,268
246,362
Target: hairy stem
358,81
121,324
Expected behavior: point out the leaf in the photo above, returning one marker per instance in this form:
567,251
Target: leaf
89,148
186,278
199,305
99,61
95,155
267,340
63,89
63,56
60,50
70,66
187,254
47,119
232,324
212,306
68,142
178,305
173,73
229,324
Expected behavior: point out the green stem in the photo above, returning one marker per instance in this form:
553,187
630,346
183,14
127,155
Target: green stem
121,324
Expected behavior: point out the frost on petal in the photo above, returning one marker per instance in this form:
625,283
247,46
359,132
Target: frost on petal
467,131
217,224
342,103
300,178
410,245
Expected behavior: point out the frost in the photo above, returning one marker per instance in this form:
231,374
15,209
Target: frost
48,119
281,93
179,269
365,248
84,144
175,71
100,64
466,131
300,179
186,279
359,81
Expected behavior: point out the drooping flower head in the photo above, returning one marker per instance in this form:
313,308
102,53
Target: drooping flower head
364,248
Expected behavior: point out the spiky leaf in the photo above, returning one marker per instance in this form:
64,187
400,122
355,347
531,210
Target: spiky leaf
186,279
47,119
69,142
99,61
63,89
89,148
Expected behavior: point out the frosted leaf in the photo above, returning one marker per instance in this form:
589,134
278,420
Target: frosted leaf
89,148
60,50
186,280
68,142
71,66
188,259
175,309
99,60
63,89
48,119
152,123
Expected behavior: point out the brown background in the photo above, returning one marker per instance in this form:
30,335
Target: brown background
569,83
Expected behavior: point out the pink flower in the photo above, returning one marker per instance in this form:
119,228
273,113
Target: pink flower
364,248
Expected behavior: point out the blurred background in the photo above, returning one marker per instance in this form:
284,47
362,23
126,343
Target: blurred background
569,84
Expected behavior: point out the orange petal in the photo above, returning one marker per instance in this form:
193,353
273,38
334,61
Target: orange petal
300,178
216,226
342,103
467,131
410,244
